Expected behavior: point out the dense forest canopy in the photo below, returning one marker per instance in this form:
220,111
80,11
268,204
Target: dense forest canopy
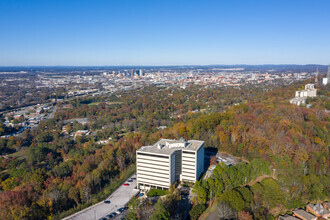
46,173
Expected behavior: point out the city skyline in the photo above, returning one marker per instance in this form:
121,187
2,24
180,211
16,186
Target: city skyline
150,33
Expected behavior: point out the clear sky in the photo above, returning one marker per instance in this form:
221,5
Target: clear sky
164,32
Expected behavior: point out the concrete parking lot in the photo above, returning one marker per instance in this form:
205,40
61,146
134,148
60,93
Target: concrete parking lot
118,199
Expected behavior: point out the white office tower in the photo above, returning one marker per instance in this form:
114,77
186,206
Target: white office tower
167,161
309,91
301,95
325,80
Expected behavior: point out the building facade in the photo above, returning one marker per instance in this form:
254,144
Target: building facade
167,161
302,95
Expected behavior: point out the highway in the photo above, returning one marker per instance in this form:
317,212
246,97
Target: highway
118,199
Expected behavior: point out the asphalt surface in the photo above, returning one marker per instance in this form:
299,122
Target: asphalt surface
183,209
121,216
118,199
51,115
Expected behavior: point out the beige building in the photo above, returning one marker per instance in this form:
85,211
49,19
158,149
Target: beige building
167,161
302,95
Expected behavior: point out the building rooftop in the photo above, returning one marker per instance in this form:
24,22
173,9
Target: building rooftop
287,217
300,213
318,209
168,146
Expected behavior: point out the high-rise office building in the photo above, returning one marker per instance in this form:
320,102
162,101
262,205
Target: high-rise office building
167,161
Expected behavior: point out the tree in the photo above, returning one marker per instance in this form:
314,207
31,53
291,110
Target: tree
225,211
245,215
44,137
200,192
133,205
10,183
270,191
196,211
74,195
69,127
234,199
2,129
246,193
160,211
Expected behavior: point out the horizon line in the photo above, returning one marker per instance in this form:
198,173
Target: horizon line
178,65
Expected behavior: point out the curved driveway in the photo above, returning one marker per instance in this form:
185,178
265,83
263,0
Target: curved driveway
118,199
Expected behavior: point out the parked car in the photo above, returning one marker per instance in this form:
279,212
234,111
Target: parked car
126,184
120,210
107,201
111,215
130,181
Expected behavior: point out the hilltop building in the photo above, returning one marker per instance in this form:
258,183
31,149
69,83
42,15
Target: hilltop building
167,161
302,95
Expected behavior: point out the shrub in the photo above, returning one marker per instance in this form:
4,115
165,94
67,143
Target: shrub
156,192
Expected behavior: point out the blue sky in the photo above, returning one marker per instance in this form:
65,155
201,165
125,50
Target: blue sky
159,32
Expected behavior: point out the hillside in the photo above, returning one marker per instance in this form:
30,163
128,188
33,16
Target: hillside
52,174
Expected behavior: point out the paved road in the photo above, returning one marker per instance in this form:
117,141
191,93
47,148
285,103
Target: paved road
51,115
121,216
118,199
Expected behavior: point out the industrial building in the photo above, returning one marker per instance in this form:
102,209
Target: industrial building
168,161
